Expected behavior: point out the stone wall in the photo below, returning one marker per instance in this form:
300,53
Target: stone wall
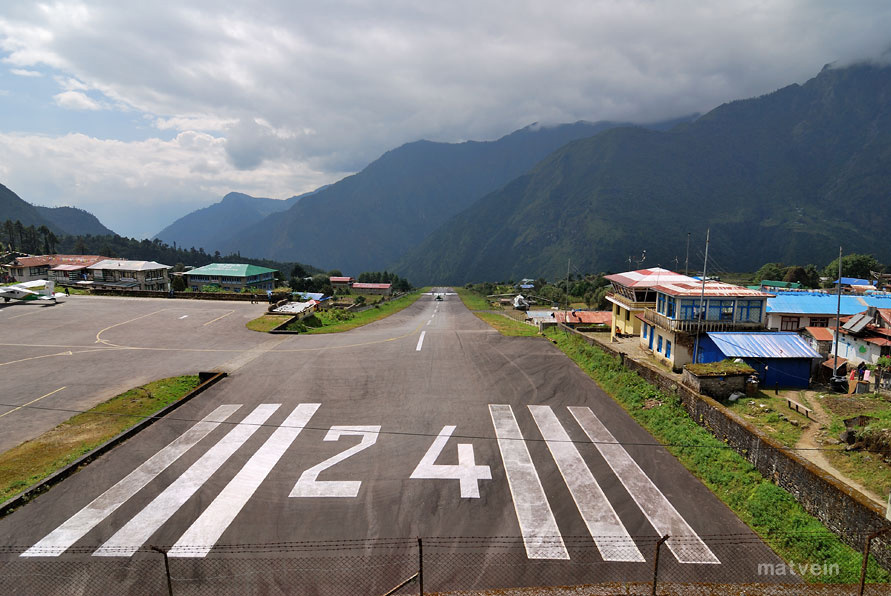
842,509
717,387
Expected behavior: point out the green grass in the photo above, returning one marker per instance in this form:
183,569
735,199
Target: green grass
34,460
472,300
770,511
725,367
772,415
330,324
506,326
266,322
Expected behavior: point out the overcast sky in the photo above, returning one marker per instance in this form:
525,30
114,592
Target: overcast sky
143,111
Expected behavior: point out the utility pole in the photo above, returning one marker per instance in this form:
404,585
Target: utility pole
837,315
568,261
701,298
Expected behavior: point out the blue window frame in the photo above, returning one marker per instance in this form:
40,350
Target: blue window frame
669,307
668,348
689,310
749,310
659,344
660,304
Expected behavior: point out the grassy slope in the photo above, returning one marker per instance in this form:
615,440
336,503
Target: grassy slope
507,326
769,510
385,309
34,460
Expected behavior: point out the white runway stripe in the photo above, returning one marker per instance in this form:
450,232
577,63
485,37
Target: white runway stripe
60,539
603,523
128,539
420,341
207,529
684,543
541,536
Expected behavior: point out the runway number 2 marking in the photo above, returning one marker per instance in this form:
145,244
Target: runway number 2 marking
308,484
466,472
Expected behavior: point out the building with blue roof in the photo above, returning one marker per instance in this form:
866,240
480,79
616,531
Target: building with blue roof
779,359
793,311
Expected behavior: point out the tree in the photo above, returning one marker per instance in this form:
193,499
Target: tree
853,265
178,283
44,231
770,271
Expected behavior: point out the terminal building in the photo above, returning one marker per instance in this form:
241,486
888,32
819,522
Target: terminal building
231,277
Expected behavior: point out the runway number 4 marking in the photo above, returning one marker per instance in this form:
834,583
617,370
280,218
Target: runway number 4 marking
308,484
466,472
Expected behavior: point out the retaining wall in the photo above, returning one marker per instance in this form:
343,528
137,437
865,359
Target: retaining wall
842,509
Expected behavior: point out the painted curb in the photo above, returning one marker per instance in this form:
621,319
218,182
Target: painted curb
208,379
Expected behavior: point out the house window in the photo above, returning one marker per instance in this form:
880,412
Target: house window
667,348
819,321
720,310
627,315
689,310
660,304
659,343
789,324
749,310
669,307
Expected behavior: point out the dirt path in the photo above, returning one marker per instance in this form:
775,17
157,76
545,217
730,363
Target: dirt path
811,449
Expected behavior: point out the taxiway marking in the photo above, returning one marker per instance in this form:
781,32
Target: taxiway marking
129,538
541,536
76,527
420,341
31,402
218,318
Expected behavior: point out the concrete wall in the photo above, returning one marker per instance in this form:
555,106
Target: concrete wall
845,511
717,387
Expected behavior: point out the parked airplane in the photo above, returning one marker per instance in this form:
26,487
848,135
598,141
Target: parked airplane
23,291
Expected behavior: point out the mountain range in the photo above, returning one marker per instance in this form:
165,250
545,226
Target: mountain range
788,176
209,227
60,220
369,220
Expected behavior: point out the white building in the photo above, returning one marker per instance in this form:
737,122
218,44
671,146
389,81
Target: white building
130,275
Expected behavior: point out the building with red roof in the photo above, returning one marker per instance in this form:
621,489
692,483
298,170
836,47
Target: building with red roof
632,293
58,268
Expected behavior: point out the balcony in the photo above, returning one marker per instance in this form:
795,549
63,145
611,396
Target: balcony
691,325
627,302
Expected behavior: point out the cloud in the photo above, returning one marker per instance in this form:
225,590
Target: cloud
328,87
75,100
24,72
137,188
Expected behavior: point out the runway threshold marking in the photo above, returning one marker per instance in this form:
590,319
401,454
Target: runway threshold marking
541,536
134,533
31,402
77,526
205,531
218,318
604,525
684,543
420,341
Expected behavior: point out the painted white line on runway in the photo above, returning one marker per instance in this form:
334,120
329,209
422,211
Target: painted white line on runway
420,341
31,402
60,539
207,529
428,322
184,317
128,539
541,536
684,543
603,522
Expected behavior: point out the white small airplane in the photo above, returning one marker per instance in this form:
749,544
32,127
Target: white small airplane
24,292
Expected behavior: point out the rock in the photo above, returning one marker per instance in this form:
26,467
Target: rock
793,422
848,437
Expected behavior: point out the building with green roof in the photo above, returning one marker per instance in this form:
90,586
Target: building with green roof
231,277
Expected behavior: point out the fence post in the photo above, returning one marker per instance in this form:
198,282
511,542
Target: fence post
659,544
166,568
420,567
866,548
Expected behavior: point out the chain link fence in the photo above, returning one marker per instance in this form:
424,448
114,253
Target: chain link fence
743,564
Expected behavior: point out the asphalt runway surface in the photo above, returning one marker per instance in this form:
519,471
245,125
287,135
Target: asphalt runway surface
510,463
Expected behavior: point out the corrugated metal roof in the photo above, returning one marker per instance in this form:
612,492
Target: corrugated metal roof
762,345
364,286
585,317
38,260
713,289
230,270
646,278
129,265
820,333
821,303
340,280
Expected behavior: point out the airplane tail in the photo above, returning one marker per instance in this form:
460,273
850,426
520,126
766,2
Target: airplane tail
49,289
